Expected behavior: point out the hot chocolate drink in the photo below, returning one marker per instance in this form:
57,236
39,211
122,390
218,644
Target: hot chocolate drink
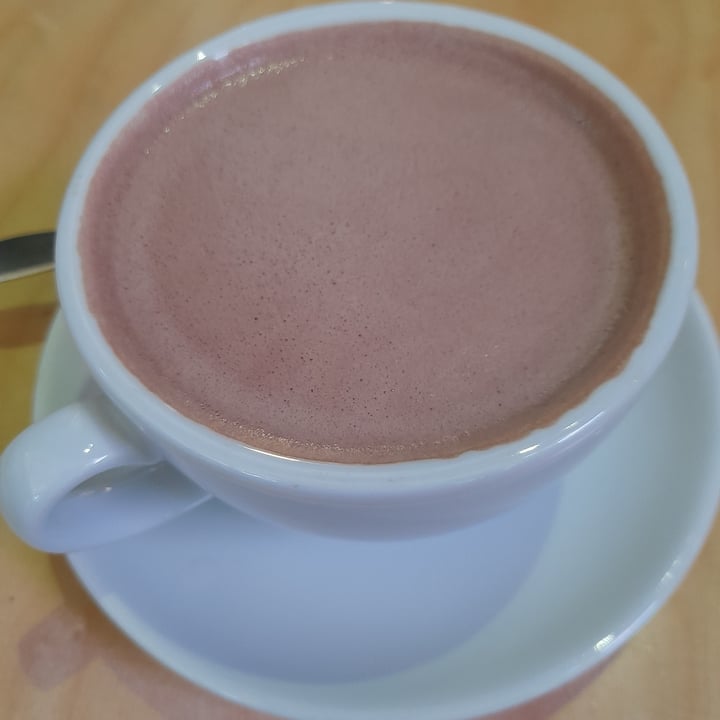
375,242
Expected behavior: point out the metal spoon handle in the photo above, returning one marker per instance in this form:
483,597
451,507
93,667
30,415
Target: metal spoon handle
26,254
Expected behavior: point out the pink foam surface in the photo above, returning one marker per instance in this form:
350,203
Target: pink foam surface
374,243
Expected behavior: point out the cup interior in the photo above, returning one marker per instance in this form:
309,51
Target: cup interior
148,412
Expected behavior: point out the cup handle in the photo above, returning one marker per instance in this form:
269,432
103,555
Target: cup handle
82,477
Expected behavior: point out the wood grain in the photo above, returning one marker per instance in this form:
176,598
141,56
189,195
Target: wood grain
64,64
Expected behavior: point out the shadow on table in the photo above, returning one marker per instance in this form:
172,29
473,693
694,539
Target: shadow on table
26,325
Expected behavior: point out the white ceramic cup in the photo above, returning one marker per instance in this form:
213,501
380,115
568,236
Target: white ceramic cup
66,482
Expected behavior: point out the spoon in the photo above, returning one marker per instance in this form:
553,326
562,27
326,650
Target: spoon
26,255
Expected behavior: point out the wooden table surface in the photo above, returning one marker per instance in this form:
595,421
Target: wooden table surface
63,66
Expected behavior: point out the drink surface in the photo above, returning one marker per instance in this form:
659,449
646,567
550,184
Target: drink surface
376,242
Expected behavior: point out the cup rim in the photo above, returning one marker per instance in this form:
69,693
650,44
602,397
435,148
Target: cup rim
161,421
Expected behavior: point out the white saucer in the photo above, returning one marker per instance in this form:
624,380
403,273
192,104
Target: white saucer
449,627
